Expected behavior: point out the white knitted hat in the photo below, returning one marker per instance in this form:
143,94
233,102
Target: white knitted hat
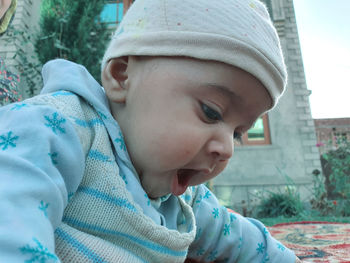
236,32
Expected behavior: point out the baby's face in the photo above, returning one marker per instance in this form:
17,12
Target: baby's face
181,116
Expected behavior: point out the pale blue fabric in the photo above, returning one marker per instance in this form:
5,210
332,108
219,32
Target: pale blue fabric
35,142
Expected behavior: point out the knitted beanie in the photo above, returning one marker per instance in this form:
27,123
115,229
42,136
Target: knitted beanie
236,32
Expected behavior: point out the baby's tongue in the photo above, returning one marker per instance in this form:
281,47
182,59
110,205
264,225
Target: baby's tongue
181,181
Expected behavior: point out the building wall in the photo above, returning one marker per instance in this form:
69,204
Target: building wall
292,155
331,132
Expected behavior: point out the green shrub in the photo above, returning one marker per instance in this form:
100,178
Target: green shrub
336,191
280,204
287,203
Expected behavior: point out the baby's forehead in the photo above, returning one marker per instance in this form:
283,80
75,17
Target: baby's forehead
178,61
207,75
187,65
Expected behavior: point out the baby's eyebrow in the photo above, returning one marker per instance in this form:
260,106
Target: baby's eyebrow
223,90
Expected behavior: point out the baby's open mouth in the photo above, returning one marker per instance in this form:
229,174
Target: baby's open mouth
182,180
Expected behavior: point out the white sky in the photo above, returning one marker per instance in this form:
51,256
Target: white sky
324,33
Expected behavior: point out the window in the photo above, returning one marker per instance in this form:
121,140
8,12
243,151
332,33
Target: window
340,137
112,13
259,134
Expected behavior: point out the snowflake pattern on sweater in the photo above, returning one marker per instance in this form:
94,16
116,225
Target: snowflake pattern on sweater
38,253
8,140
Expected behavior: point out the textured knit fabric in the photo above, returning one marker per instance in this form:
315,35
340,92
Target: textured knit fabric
236,32
69,192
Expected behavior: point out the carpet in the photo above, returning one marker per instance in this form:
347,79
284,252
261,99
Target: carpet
323,242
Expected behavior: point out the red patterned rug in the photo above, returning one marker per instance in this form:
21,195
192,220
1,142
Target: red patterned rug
322,242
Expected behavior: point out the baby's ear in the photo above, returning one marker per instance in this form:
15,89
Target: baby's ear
114,77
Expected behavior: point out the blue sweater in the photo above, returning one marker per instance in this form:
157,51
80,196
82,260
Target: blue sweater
65,196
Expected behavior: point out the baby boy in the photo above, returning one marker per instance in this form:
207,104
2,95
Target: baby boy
115,174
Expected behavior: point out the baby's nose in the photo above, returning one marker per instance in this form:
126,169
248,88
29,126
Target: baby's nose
221,147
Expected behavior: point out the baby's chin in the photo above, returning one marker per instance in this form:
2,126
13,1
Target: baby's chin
154,192
155,196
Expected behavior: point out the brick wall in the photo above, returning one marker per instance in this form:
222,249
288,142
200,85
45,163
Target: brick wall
330,132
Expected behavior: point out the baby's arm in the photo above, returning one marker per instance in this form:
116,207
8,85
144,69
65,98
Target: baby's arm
229,237
41,163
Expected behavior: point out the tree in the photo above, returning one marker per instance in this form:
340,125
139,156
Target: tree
72,30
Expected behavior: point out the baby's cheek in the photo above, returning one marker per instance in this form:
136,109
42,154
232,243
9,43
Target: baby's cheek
169,153
183,146
183,154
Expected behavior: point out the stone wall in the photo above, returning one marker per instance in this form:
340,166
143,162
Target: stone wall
331,132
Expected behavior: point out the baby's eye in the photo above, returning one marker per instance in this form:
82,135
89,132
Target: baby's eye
211,114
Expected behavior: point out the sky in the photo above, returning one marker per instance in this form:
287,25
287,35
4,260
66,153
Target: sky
324,34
